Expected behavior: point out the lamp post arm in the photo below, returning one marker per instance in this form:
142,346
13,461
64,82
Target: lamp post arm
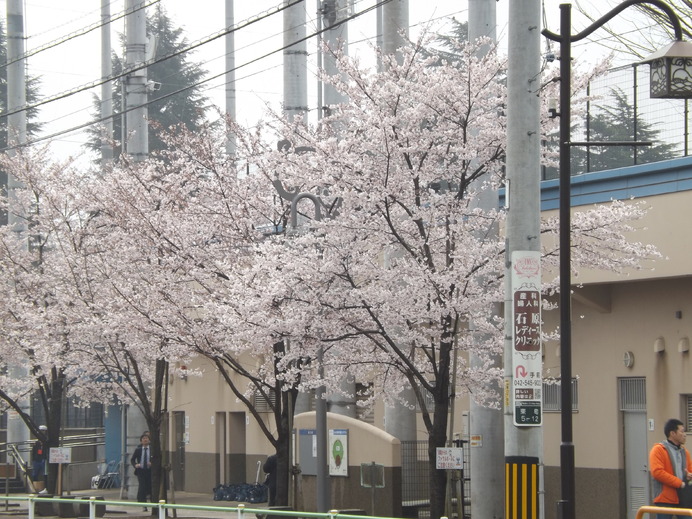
663,6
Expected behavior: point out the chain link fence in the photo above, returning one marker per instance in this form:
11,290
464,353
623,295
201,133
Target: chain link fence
621,111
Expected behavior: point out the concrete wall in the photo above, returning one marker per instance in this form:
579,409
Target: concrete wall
599,492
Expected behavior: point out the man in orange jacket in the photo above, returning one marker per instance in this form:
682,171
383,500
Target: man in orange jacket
670,465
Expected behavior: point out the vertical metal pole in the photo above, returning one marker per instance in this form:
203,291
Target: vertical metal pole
486,463
107,87
17,431
588,127
323,497
566,509
635,103
230,76
320,84
295,62
687,126
136,81
522,232
394,21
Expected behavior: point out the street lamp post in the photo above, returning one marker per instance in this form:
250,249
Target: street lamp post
671,76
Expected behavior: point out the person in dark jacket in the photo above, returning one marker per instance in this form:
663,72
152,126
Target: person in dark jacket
141,461
39,455
269,469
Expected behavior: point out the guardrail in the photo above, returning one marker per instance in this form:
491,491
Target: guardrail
663,510
96,508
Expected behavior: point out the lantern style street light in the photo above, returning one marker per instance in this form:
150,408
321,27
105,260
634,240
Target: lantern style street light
671,77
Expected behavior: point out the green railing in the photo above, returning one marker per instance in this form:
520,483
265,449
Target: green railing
96,508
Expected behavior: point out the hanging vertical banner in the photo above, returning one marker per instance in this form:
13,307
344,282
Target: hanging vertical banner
338,452
527,369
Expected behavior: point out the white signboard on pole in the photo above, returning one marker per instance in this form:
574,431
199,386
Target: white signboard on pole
449,458
60,455
527,370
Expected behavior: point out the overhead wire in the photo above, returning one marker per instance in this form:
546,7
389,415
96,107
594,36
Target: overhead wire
76,34
194,85
145,64
163,79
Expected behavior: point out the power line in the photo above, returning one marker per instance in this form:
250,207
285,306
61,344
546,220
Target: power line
143,65
76,34
194,85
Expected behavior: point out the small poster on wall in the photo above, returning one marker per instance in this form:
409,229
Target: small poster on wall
338,452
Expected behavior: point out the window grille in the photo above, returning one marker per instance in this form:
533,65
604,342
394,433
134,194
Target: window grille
632,393
552,395
429,401
261,403
688,412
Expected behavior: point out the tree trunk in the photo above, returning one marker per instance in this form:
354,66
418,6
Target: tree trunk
438,478
437,433
54,412
283,435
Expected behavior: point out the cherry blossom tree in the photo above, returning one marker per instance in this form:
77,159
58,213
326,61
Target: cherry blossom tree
403,270
193,253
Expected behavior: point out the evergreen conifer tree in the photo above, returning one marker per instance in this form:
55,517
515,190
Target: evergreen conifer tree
618,122
172,73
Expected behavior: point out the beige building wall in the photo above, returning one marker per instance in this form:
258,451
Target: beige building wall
612,315
617,317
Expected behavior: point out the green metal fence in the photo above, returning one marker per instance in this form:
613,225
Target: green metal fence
92,507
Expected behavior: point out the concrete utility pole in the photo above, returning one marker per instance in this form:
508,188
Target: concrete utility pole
523,444
136,87
487,463
230,75
107,87
394,27
336,36
17,430
392,21
295,62
334,12
136,144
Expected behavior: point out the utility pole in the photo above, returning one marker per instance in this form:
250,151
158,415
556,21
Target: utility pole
136,87
106,87
522,406
17,431
399,420
135,141
334,13
295,62
486,424
230,75
395,22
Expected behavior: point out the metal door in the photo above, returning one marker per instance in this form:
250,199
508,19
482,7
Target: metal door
633,407
179,453
221,449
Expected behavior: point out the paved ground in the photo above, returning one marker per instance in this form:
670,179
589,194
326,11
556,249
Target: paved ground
126,510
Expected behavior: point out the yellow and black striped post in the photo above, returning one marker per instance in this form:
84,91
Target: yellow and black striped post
521,487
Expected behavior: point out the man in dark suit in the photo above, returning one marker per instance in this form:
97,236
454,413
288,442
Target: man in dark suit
141,461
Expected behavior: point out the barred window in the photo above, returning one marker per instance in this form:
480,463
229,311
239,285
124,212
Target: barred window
552,395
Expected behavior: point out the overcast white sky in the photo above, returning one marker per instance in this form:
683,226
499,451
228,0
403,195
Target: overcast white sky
77,61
